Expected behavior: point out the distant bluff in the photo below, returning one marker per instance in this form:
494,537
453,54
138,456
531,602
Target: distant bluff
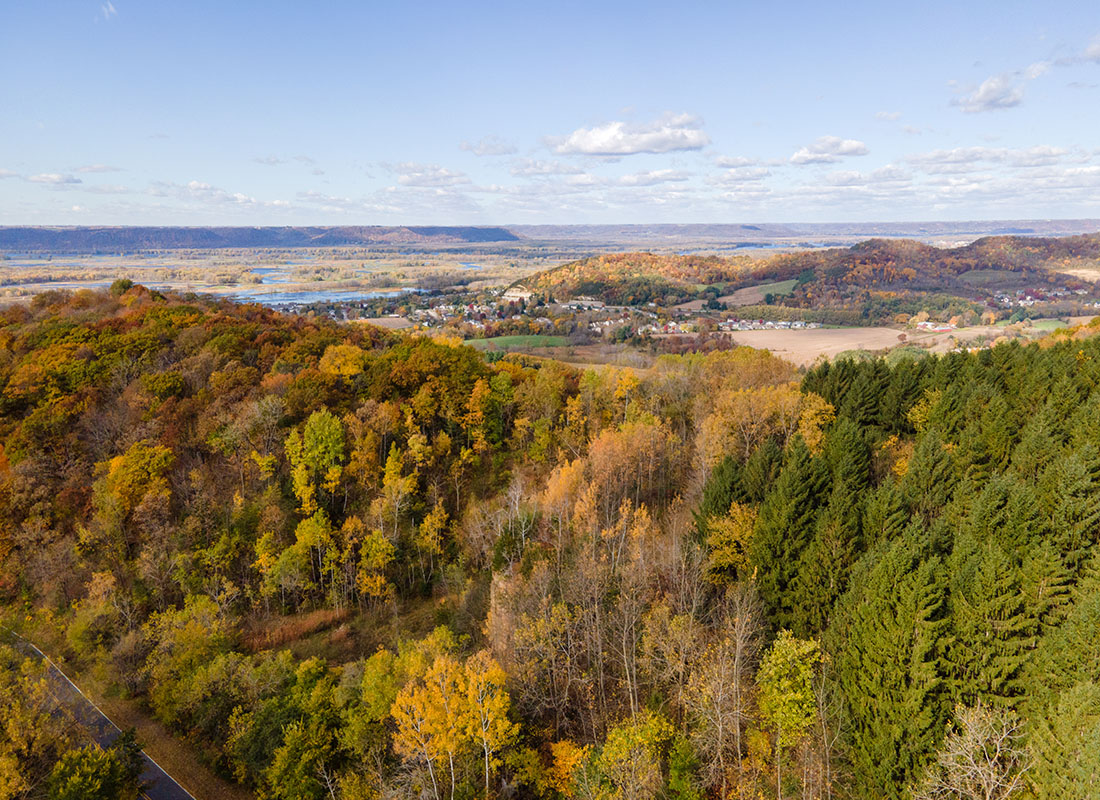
116,238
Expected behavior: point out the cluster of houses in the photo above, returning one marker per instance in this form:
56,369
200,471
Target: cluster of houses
765,325
729,325
1026,298
935,327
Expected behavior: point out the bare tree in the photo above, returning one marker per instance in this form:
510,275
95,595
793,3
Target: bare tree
719,690
983,760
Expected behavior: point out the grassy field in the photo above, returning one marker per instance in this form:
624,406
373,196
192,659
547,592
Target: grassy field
518,342
1048,324
754,295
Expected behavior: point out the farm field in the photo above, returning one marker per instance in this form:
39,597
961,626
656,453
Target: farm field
754,295
804,347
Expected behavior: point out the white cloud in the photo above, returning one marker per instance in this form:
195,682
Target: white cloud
1092,52
527,167
995,93
829,149
739,175
205,193
668,134
890,174
91,168
888,116
653,177
734,161
7,173
970,159
411,173
108,10
54,179
883,175
489,146
107,189
1036,70
269,161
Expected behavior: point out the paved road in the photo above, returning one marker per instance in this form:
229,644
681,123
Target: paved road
158,784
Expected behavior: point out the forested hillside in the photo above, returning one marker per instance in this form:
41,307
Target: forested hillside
878,277
344,563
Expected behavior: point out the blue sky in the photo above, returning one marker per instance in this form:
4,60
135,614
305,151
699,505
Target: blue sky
277,113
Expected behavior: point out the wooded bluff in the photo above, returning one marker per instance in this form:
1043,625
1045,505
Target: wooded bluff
341,562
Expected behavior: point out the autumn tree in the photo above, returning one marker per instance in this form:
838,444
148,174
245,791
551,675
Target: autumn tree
488,704
786,694
316,456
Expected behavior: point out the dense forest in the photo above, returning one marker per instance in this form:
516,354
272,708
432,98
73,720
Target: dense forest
341,562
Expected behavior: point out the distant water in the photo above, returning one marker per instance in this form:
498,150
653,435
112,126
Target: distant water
738,246
305,298
471,266
272,274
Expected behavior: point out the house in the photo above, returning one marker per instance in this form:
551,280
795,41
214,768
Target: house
583,302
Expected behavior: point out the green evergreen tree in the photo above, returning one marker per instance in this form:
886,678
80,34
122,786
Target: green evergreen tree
1069,492
1069,654
826,563
986,442
1039,445
930,478
1065,746
992,631
760,471
902,391
722,488
861,402
885,514
1045,583
1006,511
784,528
888,639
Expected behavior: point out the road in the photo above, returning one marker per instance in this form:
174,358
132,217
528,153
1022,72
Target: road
157,784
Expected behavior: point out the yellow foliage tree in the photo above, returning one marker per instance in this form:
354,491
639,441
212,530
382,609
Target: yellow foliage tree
728,541
487,722
816,414
566,757
345,360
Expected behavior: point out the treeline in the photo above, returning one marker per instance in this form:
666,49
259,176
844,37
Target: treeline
349,564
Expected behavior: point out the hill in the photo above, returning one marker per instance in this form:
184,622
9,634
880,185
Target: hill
637,278
835,275
112,239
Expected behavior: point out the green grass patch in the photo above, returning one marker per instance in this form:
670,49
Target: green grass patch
518,342
779,287
988,277
1048,324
